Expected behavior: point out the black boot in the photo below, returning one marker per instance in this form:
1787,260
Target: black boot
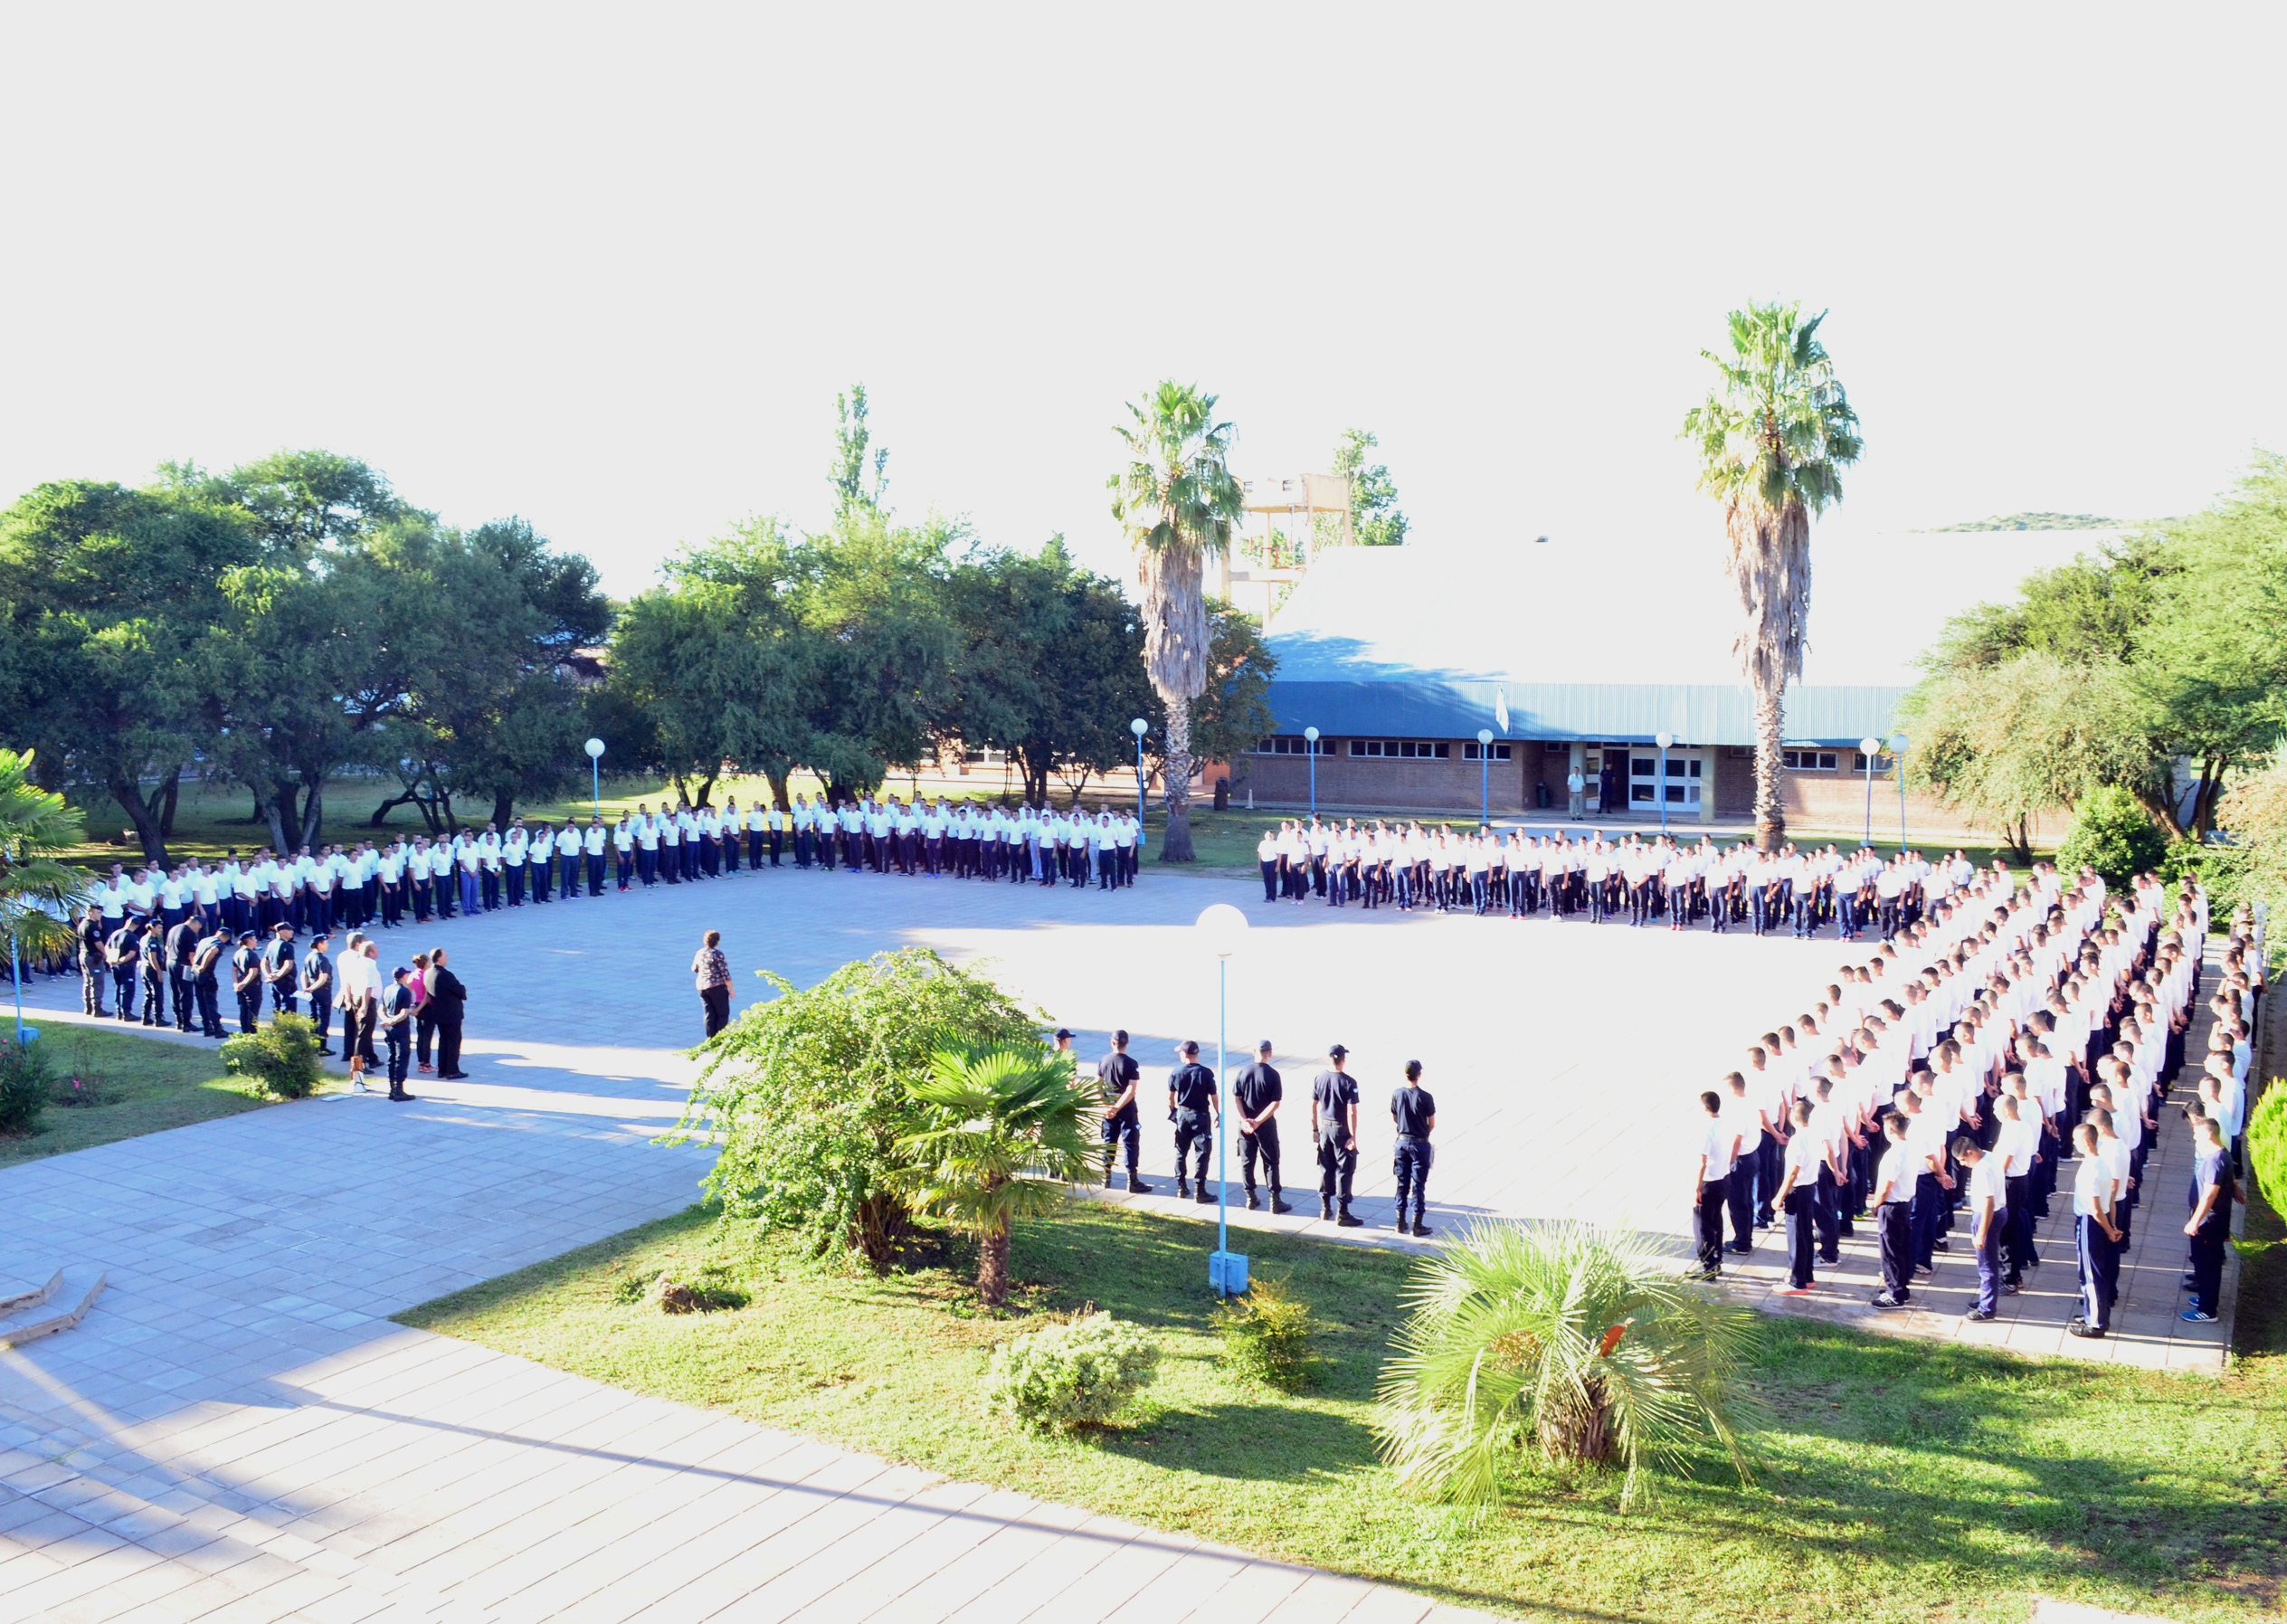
1136,1186
1421,1230
1182,1188
1205,1198
1253,1202
1347,1220
1277,1202
1325,1207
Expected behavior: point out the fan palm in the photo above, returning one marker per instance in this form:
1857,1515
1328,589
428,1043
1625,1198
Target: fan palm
1006,1139
1581,1341
1179,505
35,888
1773,437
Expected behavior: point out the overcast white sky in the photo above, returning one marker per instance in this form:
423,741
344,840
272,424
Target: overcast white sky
607,267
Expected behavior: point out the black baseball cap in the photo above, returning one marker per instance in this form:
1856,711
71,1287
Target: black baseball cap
1336,1051
1064,1031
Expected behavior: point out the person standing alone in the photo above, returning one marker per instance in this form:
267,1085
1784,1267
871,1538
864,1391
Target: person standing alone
1414,1112
712,971
448,998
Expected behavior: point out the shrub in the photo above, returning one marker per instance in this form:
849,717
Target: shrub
1266,1336
2112,835
1075,1374
25,1077
281,1058
2267,1136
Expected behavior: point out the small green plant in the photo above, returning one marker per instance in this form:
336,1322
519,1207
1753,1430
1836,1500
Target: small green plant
25,1077
1079,1373
281,1058
1266,1336
2266,1137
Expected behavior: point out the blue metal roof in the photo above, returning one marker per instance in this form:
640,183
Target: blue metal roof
1695,713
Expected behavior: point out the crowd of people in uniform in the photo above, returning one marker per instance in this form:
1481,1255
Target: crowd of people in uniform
367,886
1648,880
1257,1095
2000,1035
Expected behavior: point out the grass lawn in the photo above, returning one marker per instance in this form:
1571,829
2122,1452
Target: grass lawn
128,1086
1898,1480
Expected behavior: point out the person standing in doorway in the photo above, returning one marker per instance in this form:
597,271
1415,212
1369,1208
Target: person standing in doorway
449,999
1576,790
712,971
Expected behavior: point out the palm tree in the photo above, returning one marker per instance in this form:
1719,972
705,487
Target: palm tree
34,825
1006,1141
1583,1341
1773,437
1178,504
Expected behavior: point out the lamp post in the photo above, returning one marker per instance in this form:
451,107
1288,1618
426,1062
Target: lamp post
1664,741
1898,744
1139,727
1870,747
1485,775
1223,927
15,975
1310,738
595,773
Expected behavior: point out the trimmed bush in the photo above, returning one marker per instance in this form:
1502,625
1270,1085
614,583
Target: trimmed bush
25,1078
1266,1336
1075,1374
281,1058
2114,836
2266,1147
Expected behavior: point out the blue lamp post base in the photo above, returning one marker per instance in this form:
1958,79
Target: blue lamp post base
1227,1273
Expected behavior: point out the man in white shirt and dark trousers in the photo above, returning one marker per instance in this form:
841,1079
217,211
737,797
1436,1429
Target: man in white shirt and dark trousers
1711,1185
1988,1213
1797,1198
2095,1237
1892,1201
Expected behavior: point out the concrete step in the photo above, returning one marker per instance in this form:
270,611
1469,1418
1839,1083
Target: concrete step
59,1306
17,1293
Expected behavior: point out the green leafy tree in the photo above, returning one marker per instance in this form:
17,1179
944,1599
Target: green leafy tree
857,483
1375,518
1581,1342
1233,710
1005,1140
37,888
1180,506
810,1097
2112,835
1773,438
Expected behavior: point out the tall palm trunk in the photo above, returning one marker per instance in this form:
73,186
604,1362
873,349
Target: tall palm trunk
1176,846
1770,719
992,1265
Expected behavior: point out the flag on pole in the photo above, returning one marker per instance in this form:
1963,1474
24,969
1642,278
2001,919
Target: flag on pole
1501,708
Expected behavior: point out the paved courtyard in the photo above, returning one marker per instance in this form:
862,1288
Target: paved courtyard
237,1430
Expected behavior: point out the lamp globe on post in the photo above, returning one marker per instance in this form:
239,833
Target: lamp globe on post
1222,928
1139,727
1898,742
1310,738
594,748
1664,741
1868,748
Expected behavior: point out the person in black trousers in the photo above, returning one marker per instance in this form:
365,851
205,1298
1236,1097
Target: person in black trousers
318,986
448,998
1257,1095
1413,1111
395,1022
712,972
1190,1105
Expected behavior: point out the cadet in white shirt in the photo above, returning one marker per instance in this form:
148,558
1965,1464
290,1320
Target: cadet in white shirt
1988,1213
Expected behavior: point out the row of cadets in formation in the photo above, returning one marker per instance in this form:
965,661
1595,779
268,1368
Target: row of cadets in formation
1649,879
476,871
1257,1093
919,837
2039,1030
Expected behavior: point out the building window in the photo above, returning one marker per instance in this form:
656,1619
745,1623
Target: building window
1555,747
1469,751
985,756
1807,761
1292,743
1405,749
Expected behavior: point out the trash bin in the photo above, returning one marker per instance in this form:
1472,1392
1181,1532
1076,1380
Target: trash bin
1541,793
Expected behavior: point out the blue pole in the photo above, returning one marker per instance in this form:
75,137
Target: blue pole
1139,780
1662,789
1313,744
595,784
1901,800
1484,783
1870,800
1223,1113
16,974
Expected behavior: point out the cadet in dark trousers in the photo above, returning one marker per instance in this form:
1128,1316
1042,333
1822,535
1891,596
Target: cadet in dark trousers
447,994
1414,1112
124,951
206,982
246,981
95,965
395,1025
1254,1098
278,972
1892,1199
181,948
154,968
1117,1075
318,985
1796,1198
1334,1124
2209,1227
1191,1104
1709,1184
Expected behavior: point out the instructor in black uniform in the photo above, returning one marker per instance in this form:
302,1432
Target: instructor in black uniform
1256,1095
1334,1124
1117,1075
1414,1112
1190,1103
